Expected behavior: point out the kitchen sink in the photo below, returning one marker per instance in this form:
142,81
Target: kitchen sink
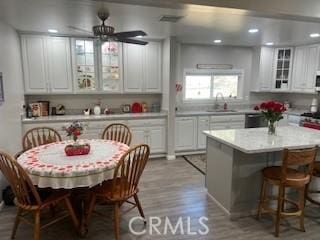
222,110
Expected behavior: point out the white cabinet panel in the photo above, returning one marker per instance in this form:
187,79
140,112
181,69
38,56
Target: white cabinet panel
203,125
133,67
34,64
139,136
142,68
266,68
299,69
152,70
59,65
312,64
186,133
157,139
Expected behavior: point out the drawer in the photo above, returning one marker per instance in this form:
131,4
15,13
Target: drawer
146,122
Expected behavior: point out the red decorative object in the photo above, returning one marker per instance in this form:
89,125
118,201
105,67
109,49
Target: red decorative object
312,125
76,150
136,108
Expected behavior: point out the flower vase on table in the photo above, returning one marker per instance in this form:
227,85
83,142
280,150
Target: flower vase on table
76,149
272,112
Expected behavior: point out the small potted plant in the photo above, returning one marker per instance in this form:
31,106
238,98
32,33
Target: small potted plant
74,131
272,112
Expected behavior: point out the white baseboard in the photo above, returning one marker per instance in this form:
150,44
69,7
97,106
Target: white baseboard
171,157
1,205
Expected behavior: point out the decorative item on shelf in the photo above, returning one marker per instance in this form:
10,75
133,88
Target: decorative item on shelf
60,110
97,109
272,112
155,107
126,108
45,106
36,109
136,107
178,87
144,107
107,110
86,112
74,131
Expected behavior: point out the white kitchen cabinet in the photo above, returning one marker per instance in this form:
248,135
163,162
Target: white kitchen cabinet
34,64
186,133
203,125
59,65
305,66
157,139
139,136
142,68
46,64
227,122
282,69
152,70
262,72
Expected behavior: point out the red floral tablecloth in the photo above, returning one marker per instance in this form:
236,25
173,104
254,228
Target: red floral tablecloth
48,165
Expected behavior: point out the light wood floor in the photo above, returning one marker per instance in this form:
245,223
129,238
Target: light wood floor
173,189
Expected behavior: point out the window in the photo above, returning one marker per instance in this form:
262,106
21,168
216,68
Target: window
200,85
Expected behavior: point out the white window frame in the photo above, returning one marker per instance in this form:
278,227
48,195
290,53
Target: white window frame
212,72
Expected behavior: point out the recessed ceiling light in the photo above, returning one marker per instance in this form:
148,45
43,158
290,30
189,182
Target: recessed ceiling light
52,30
217,41
315,35
139,36
269,43
253,30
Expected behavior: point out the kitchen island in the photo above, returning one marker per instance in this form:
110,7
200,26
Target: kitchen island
235,158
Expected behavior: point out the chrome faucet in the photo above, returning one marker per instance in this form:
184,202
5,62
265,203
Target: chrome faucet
216,104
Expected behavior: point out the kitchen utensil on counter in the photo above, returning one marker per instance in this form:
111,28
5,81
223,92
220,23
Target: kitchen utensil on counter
314,105
136,108
97,110
60,110
144,107
86,112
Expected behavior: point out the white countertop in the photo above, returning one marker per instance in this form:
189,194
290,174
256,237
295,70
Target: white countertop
66,118
235,112
257,140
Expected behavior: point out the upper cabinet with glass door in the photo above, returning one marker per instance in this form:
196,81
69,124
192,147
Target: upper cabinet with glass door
283,63
111,77
85,65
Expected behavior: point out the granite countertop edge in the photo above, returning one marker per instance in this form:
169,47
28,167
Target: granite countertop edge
102,117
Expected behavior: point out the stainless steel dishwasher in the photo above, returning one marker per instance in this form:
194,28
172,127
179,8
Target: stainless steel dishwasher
255,120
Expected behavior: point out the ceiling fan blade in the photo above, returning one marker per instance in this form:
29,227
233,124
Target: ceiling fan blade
79,29
130,34
133,41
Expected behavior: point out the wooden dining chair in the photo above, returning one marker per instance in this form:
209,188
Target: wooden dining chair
39,136
295,172
118,132
309,192
123,186
28,200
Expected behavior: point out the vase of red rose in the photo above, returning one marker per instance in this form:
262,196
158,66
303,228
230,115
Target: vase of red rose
74,131
272,112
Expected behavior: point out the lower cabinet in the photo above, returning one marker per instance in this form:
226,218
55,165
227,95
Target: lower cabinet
148,131
203,125
186,133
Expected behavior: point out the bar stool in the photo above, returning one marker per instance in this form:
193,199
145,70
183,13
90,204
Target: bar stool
316,173
295,172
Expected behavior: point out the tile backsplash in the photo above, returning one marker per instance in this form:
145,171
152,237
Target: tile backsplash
75,104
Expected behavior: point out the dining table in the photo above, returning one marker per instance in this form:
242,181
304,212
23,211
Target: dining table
50,168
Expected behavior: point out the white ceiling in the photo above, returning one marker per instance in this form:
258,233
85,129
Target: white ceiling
199,25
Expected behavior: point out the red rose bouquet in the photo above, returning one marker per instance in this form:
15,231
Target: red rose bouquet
272,112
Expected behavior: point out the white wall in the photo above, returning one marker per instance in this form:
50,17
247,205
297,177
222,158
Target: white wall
239,57
10,66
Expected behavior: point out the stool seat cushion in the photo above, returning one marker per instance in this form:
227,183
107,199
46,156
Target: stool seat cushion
294,177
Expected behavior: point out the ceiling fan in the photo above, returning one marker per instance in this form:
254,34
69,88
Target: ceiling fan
105,33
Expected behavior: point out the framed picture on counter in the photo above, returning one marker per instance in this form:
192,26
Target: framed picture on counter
1,89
